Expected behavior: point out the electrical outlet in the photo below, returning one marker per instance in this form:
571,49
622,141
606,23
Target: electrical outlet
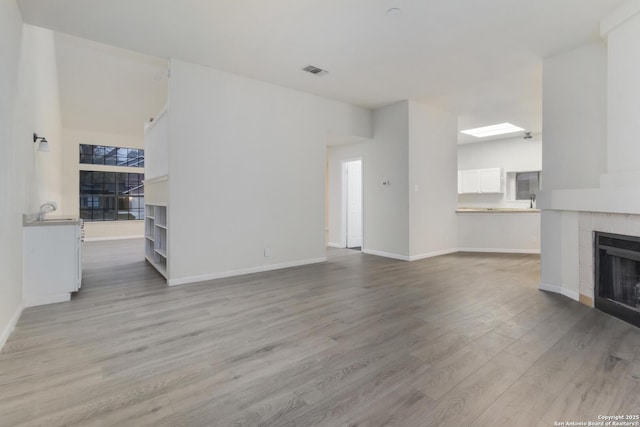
267,252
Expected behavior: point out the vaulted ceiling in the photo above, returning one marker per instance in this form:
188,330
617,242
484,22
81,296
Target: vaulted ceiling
479,59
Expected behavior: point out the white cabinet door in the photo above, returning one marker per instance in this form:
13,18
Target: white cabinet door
52,264
470,181
79,262
478,181
490,180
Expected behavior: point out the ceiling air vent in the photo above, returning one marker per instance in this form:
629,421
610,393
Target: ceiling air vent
315,70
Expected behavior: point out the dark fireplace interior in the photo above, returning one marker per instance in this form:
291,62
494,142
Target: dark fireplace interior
617,276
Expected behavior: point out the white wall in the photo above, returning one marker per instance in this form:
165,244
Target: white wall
413,145
336,221
30,103
38,110
511,155
106,88
623,101
559,263
156,147
71,174
347,121
432,182
574,156
247,171
386,208
551,248
13,159
575,118
507,232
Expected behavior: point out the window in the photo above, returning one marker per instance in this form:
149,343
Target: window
111,156
111,196
527,183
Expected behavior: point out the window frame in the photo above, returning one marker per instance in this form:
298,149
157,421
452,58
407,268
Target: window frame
112,156
110,198
535,191
111,183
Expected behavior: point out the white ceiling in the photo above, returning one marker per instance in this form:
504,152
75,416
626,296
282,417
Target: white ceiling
479,59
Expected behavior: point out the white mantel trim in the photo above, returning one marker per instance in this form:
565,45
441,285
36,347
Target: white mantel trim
609,200
619,16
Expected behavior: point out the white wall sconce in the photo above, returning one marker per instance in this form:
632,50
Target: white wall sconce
43,145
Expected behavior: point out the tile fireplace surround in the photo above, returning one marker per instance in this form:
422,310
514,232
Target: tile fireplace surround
588,222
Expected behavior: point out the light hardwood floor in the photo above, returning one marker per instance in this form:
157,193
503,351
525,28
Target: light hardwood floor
457,340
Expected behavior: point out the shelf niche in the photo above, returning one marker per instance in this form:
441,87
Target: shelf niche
156,238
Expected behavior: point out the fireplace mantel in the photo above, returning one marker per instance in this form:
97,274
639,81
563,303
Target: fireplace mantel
605,200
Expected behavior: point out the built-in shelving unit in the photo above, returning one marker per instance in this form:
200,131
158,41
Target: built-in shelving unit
156,237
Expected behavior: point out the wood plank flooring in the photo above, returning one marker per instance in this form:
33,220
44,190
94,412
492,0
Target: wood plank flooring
457,340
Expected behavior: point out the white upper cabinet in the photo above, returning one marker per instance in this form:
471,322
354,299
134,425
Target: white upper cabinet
470,181
479,181
490,180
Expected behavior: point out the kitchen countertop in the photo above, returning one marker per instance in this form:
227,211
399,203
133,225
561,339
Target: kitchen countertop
497,210
30,220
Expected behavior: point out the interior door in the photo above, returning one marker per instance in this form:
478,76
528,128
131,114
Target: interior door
353,176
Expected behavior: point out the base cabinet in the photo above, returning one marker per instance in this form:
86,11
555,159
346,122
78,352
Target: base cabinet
52,266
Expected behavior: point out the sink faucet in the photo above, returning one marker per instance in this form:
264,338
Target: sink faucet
532,199
45,208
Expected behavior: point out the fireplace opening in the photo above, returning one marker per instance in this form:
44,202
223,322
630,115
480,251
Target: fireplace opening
617,276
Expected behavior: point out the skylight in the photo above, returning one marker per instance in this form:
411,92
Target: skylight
492,130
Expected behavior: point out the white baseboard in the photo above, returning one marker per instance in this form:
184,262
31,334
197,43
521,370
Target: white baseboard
549,288
103,239
432,254
409,258
570,294
46,299
335,245
6,331
385,254
559,290
241,272
501,251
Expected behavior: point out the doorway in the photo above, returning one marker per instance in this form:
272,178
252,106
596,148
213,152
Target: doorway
353,203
